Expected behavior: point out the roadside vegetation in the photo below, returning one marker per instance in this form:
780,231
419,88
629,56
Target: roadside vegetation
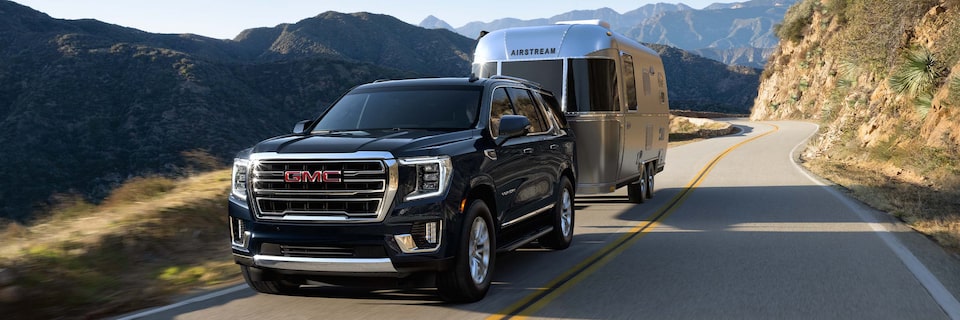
151,239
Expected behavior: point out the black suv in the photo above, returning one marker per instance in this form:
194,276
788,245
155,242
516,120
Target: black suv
404,179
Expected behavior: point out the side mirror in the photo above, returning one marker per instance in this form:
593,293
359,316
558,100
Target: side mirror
301,126
513,126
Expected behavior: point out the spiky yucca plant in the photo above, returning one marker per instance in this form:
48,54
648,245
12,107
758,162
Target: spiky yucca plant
917,75
917,78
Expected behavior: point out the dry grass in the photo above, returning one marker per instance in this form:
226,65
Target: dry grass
151,239
929,204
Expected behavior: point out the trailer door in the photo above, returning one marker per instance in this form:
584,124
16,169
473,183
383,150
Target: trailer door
633,123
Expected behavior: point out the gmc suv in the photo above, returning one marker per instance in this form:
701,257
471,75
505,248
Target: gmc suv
405,178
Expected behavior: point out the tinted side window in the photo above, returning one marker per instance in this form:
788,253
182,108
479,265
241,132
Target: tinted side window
500,106
527,106
592,85
630,81
553,110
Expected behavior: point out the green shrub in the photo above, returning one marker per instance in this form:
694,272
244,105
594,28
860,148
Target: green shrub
796,20
918,75
874,29
838,9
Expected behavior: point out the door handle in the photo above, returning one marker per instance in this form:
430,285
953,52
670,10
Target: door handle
554,146
528,151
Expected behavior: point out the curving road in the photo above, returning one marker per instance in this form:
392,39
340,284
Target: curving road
737,230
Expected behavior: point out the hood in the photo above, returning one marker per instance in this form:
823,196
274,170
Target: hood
398,142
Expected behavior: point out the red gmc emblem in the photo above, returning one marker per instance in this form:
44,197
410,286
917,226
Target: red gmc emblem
313,176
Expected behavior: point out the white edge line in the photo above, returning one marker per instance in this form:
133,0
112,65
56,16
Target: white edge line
186,302
937,290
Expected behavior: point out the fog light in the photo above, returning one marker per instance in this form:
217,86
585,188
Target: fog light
430,234
239,235
423,237
406,243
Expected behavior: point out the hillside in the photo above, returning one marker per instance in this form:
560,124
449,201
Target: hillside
886,95
86,105
370,38
734,33
698,83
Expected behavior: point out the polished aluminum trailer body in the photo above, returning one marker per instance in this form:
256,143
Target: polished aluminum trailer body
612,90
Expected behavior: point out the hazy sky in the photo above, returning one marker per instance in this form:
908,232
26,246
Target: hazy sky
225,19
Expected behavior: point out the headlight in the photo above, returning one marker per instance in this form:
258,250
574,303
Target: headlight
239,179
433,176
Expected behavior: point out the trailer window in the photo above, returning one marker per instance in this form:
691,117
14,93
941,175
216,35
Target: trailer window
592,86
548,73
630,80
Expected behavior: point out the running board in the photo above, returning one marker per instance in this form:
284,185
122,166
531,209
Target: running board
525,240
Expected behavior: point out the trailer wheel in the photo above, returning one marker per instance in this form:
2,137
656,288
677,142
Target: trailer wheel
637,192
651,171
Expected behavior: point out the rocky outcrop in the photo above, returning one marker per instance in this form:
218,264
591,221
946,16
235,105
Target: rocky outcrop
840,69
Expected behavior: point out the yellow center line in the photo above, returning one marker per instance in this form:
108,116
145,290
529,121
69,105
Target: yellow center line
538,299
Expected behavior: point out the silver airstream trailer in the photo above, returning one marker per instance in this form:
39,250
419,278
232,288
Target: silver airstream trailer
612,90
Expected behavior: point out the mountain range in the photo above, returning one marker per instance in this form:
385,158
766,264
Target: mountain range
86,105
733,33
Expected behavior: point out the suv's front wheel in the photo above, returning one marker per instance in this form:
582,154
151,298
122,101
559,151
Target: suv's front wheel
469,278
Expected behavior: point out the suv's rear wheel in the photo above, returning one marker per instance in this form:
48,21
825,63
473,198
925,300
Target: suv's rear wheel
469,278
562,234
273,286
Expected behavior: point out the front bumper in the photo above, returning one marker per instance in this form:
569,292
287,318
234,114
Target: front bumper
335,265
331,249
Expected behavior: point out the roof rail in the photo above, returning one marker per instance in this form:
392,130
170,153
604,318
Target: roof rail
521,80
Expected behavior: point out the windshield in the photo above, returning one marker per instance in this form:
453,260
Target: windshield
453,108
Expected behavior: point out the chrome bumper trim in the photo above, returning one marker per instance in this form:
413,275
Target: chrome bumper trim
352,265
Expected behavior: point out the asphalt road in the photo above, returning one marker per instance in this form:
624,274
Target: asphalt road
736,231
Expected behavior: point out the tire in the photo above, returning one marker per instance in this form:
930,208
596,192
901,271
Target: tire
637,192
469,278
651,172
275,286
563,219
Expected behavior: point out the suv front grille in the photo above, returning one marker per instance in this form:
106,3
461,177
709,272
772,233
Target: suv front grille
308,190
331,251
